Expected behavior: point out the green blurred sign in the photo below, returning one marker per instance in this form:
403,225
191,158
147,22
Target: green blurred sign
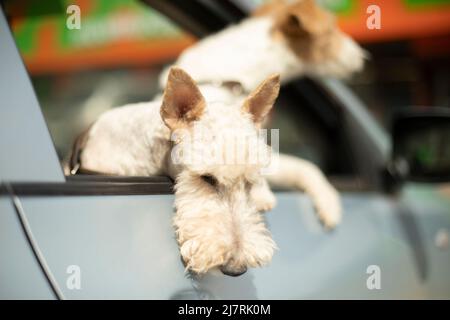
102,22
339,6
414,3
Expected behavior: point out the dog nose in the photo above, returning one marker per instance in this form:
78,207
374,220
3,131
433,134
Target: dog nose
233,272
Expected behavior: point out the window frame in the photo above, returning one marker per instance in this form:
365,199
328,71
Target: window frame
93,185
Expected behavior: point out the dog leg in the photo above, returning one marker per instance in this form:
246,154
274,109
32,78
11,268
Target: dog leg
296,173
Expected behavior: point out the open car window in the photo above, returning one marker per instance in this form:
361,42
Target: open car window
80,73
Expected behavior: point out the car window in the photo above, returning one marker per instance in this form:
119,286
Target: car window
310,127
78,74
115,58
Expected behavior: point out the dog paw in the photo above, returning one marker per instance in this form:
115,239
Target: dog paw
328,208
264,200
266,204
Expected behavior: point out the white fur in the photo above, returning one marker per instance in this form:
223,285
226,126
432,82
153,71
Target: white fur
299,174
350,58
248,52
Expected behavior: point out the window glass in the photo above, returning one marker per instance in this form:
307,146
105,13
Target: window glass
305,130
114,58
401,75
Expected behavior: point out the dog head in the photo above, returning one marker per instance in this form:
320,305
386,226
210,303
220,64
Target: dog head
313,36
216,221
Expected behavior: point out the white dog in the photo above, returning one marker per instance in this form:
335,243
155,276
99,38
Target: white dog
218,204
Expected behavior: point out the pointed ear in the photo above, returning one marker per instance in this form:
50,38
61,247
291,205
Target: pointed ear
182,100
261,100
304,18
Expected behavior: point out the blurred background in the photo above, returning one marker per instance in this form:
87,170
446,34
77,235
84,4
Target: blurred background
117,55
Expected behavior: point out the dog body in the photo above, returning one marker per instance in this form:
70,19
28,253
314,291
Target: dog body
239,53
133,139
296,39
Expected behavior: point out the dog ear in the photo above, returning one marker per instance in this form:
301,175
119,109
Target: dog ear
182,100
261,100
303,18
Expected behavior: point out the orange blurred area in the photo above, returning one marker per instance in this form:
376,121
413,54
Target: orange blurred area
124,54
123,33
119,33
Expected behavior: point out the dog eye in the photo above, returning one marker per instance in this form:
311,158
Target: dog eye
209,179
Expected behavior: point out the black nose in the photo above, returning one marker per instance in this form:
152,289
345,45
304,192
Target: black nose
233,272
